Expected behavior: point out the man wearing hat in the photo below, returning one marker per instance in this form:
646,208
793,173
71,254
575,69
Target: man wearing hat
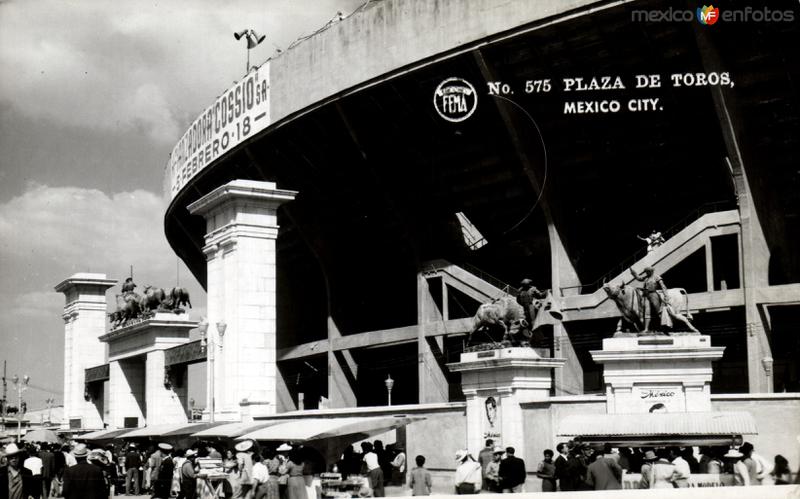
244,459
16,482
491,477
84,480
188,476
162,484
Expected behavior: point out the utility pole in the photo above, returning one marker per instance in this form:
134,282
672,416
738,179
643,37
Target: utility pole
5,393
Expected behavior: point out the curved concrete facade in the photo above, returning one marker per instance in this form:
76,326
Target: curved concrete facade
382,182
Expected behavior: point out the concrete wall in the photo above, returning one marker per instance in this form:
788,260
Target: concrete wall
388,35
777,418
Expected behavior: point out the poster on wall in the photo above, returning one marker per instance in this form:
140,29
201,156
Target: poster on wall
492,418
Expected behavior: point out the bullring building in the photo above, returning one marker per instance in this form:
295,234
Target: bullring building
350,203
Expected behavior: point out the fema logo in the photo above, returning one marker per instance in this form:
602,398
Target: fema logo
455,99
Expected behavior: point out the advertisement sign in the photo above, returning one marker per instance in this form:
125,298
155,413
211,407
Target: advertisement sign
661,398
238,114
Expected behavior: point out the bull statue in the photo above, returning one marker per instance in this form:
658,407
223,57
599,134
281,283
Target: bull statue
152,299
635,309
504,314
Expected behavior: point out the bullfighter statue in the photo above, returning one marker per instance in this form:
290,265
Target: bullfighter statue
651,308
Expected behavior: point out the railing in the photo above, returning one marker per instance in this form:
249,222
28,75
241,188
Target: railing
480,274
695,214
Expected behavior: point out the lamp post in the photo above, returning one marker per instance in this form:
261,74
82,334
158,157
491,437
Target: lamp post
21,387
389,385
208,346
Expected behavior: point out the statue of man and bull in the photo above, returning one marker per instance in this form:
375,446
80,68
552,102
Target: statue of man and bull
131,305
653,308
517,317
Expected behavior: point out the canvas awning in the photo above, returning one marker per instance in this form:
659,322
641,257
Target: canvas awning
302,430
233,430
676,428
169,430
104,434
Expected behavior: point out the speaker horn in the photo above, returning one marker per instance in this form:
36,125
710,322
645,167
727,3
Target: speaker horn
240,34
553,307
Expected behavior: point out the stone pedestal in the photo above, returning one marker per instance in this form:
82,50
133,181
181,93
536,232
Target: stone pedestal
138,387
84,321
241,229
495,383
659,373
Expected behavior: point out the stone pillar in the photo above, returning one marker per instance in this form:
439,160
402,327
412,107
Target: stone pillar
496,383
126,391
658,373
165,399
85,321
241,229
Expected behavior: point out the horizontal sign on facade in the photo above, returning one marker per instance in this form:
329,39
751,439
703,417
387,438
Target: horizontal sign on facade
238,114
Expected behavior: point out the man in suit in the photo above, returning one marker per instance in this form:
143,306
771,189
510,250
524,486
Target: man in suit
16,482
512,472
48,469
604,473
561,466
162,485
84,480
484,458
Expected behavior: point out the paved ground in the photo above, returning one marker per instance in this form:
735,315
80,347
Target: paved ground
390,492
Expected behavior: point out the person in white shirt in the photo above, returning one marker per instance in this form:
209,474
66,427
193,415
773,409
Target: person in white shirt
374,471
467,479
399,466
680,477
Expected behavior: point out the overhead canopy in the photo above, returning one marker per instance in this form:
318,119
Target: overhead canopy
104,434
697,428
301,430
169,430
233,430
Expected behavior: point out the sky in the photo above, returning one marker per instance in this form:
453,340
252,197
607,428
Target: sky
93,96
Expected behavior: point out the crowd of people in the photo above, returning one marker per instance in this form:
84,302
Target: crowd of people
581,466
286,472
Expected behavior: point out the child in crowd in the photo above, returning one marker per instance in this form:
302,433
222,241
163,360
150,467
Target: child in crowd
420,482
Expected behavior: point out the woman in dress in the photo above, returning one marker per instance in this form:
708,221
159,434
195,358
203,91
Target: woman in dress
296,487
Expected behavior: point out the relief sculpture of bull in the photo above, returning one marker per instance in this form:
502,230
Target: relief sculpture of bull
634,308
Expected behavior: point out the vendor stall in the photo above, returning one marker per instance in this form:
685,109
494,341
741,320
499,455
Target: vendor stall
653,430
329,437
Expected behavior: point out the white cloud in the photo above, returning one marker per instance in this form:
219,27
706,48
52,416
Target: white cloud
137,65
85,228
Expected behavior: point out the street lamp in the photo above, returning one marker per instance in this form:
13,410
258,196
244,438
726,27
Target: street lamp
208,346
21,387
221,327
389,385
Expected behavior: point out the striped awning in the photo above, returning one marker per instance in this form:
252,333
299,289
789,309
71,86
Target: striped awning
305,429
674,424
104,434
233,430
168,430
